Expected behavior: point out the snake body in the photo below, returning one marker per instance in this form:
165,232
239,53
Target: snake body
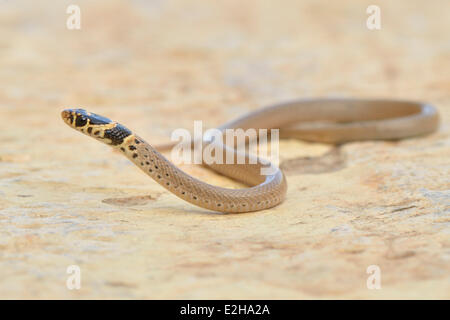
319,120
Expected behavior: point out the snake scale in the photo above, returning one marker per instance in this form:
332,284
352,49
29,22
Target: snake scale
333,121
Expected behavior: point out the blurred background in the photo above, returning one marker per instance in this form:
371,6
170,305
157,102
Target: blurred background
159,65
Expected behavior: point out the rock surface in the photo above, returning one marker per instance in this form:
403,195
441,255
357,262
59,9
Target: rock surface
156,66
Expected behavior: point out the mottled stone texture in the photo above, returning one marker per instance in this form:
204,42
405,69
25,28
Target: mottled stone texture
158,65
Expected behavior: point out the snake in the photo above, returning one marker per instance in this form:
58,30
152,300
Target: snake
321,120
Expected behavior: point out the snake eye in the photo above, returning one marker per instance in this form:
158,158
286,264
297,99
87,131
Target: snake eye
80,121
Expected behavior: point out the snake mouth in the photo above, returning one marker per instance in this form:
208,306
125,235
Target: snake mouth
67,116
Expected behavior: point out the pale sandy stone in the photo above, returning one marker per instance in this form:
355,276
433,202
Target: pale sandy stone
67,200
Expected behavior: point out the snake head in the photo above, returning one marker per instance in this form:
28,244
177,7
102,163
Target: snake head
96,126
80,118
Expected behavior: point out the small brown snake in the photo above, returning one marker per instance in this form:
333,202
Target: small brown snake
320,120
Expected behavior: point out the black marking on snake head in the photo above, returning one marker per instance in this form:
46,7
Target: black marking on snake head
117,134
93,118
98,120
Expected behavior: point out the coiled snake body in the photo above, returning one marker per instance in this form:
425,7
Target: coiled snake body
335,121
